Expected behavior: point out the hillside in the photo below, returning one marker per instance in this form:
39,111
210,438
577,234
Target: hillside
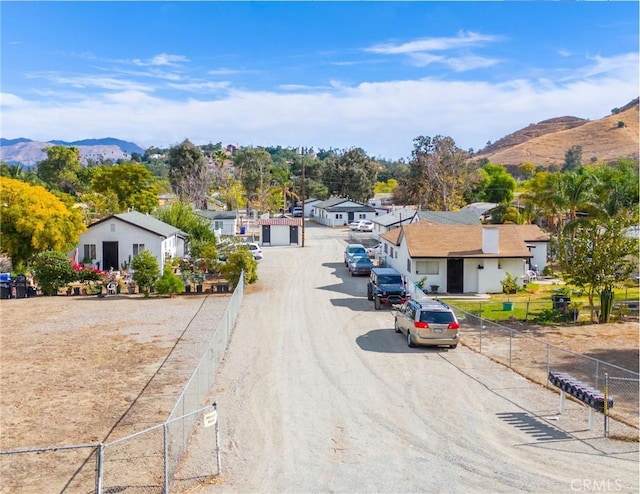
545,143
29,153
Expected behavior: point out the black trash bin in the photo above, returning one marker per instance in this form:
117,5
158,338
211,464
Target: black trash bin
5,289
560,302
20,284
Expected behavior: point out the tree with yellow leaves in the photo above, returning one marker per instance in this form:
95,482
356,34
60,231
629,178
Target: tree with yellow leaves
34,220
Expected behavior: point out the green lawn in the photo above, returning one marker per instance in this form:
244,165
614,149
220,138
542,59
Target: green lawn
536,299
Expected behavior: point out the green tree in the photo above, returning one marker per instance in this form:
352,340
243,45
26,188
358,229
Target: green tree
572,158
132,183
617,187
255,166
182,216
499,186
145,270
597,255
439,176
34,220
169,283
188,174
60,169
351,173
52,270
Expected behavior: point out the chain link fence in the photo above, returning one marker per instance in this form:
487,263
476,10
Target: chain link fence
156,460
534,359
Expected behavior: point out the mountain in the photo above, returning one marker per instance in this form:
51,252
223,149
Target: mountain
29,153
545,143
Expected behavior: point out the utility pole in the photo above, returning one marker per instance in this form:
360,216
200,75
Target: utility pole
302,194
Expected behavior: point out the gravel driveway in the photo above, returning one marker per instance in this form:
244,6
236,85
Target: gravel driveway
318,394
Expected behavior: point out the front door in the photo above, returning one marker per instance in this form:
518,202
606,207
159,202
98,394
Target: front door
293,234
455,275
266,234
110,256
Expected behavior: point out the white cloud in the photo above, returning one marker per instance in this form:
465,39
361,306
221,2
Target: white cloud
201,86
463,40
161,59
91,81
383,118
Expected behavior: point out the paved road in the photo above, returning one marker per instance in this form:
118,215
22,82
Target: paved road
318,394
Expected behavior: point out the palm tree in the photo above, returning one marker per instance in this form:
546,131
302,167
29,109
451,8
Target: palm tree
282,178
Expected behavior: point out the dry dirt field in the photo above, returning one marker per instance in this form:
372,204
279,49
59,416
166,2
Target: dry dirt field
79,370
82,370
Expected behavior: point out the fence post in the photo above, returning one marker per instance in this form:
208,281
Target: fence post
606,404
165,437
100,468
218,460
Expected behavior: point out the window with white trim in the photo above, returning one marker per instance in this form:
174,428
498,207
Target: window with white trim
137,248
427,267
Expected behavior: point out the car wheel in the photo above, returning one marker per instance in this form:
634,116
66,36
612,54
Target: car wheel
395,326
369,294
453,346
352,273
410,342
376,303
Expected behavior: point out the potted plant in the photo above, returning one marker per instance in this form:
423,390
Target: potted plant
422,284
87,261
509,286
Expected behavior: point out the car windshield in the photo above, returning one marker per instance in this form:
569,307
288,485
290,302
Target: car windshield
389,279
358,250
433,317
363,260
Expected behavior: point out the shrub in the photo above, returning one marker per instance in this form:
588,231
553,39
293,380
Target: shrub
145,270
238,261
52,270
169,283
510,284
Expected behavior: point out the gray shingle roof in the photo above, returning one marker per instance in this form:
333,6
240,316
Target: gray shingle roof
148,223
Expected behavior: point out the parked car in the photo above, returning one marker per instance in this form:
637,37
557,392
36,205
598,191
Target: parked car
361,226
365,226
375,250
353,250
297,212
256,250
386,286
360,265
430,323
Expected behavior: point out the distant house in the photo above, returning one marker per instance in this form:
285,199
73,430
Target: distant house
463,258
395,219
113,241
340,211
309,205
462,217
222,222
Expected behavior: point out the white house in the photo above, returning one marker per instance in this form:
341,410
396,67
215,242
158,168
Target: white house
113,241
308,207
462,258
222,222
339,211
395,219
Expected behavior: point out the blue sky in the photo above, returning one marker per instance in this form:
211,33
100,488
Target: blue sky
373,75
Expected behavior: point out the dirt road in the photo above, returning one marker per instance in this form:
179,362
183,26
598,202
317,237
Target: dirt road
318,394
